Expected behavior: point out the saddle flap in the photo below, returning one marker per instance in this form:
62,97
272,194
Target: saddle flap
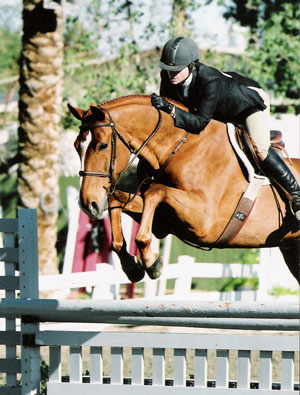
248,146
245,157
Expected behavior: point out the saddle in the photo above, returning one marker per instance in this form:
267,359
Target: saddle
248,146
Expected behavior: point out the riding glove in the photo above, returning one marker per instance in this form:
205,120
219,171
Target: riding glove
162,104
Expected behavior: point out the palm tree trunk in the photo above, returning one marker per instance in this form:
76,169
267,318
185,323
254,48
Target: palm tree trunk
41,79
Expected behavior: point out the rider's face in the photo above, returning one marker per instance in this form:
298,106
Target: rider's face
178,76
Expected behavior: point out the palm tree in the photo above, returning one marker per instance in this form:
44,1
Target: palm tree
41,80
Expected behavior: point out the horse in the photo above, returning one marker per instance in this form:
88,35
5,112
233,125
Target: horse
191,185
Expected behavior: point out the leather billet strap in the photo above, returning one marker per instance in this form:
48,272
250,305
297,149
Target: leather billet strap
241,212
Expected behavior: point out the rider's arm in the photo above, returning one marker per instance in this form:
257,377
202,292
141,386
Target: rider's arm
195,122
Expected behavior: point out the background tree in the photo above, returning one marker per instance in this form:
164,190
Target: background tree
181,23
40,96
272,56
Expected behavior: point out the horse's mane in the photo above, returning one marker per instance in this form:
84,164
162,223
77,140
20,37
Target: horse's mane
133,99
125,100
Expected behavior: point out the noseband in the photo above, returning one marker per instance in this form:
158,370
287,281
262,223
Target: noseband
114,135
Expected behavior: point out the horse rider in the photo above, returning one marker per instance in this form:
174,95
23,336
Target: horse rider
227,97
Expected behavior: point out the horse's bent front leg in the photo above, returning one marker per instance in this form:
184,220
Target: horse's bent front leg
131,266
152,262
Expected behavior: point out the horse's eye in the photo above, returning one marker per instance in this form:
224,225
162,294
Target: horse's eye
102,146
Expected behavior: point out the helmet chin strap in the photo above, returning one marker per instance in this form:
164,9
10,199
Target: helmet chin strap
186,83
188,80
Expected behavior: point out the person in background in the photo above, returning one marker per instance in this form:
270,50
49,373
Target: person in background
227,97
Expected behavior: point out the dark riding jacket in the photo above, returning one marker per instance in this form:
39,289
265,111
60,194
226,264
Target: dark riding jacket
212,94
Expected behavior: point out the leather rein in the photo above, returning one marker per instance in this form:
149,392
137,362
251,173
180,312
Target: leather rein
114,136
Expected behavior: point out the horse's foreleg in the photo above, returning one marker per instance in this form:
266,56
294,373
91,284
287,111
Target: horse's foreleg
152,262
187,207
131,266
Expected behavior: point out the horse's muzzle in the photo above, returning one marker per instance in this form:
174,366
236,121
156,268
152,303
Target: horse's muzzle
94,209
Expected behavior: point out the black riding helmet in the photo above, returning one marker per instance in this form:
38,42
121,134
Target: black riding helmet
178,53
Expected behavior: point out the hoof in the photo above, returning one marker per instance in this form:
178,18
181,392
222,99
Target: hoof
135,273
155,270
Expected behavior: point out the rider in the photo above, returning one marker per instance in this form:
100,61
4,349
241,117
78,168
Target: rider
226,97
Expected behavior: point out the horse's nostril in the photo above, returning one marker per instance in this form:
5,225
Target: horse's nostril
94,206
95,209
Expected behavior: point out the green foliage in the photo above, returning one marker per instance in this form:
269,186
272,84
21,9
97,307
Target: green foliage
10,48
236,284
227,255
9,195
128,72
279,291
275,58
272,56
44,369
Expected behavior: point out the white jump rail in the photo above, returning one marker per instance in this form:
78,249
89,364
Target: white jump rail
196,346
182,272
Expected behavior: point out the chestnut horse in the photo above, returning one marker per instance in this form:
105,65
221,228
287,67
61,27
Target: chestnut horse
191,194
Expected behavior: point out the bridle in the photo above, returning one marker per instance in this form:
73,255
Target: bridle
110,175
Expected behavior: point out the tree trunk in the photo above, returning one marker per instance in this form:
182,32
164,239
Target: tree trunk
178,19
41,80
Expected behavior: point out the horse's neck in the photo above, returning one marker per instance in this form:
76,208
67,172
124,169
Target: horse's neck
136,123
211,148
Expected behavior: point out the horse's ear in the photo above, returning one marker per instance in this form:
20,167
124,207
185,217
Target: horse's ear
99,114
77,112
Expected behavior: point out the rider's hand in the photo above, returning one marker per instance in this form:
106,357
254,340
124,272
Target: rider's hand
161,104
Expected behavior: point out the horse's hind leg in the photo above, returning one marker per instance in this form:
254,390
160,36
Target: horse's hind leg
291,255
131,266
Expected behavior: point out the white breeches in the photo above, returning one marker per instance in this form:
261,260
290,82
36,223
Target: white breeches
258,125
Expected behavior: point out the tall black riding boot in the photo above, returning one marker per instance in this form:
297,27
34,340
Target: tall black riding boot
276,168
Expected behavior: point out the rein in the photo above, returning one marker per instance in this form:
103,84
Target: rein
114,136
